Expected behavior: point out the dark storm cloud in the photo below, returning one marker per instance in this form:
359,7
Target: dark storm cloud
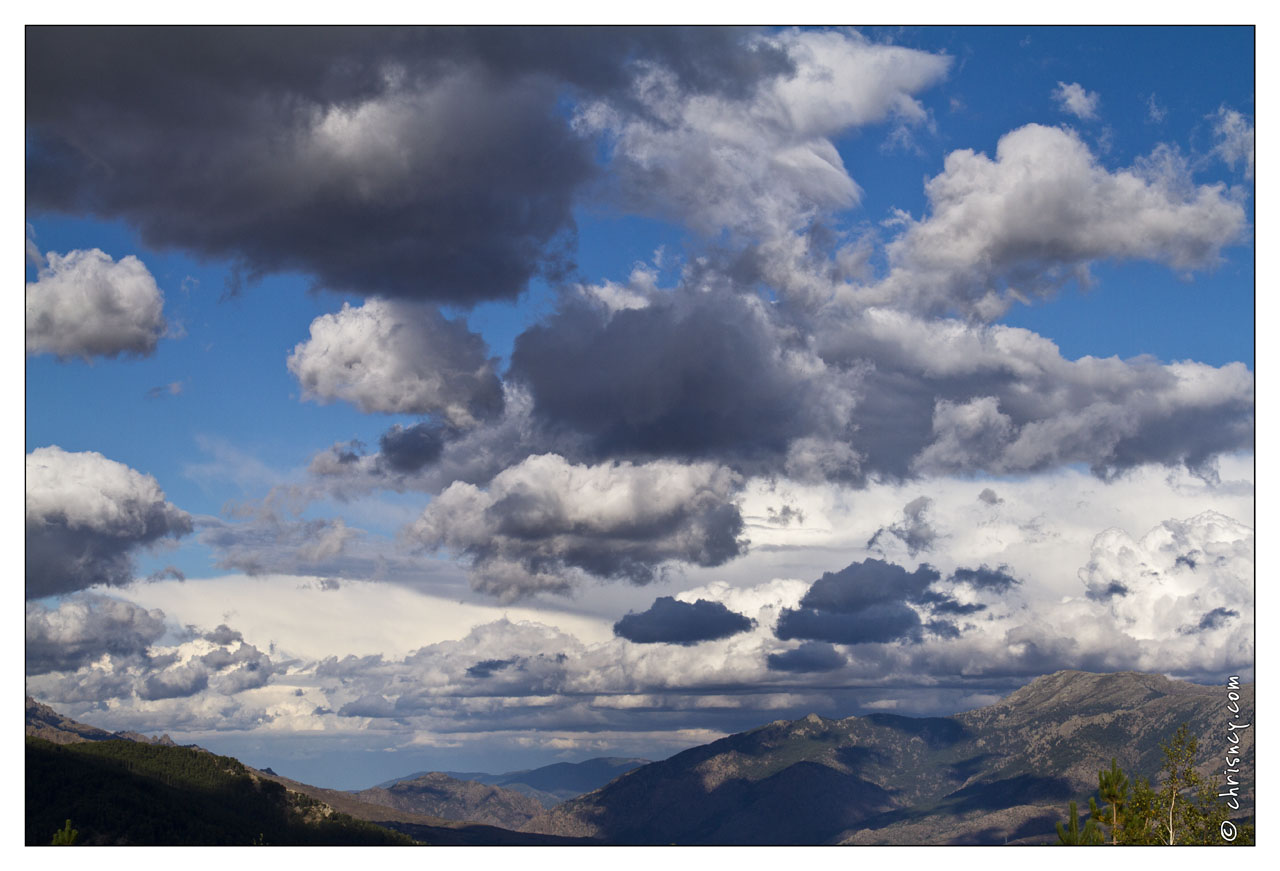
870,601
986,578
224,634
989,496
86,517
408,449
175,683
881,622
430,163
913,530
692,375
808,657
670,621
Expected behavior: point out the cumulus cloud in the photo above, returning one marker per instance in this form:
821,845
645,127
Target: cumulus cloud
1234,134
84,304
1039,213
766,164
1182,577
80,629
942,396
86,517
430,163
545,519
399,358
670,621
1075,100
695,374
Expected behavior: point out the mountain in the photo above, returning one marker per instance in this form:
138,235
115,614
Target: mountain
443,796
550,784
126,788
118,792
46,723
1000,774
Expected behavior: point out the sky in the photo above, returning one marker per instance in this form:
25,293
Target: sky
479,399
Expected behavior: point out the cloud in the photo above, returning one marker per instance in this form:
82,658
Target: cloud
913,530
544,520
670,621
811,656
942,396
1183,573
86,517
1234,134
425,163
694,375
1075,100
81,628
398,358
1036,216
765,164
864,602
84,304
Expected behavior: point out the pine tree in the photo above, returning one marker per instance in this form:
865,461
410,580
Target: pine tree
1113,788
66,836
1072,835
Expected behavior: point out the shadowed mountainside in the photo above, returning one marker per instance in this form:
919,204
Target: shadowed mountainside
550,784
999,774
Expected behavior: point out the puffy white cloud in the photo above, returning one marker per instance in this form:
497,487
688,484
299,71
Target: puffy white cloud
85,517
543,521
84,304
1039,213
1234,134
399,358
1075,100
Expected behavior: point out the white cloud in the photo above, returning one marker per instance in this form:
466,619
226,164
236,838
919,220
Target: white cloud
1075,100
1037,215
86,516
84,304
398,358
1234,134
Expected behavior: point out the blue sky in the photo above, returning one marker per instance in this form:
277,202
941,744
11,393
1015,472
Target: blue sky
825,296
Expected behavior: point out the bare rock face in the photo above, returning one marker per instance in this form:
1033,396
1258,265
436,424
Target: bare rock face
999,774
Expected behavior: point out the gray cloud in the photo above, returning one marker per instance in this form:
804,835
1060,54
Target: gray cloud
811,656
874,601
913,530
670,621
399,358
1234,134
692,375
544,520
430,163
1036,216
81,628
84,304
86,516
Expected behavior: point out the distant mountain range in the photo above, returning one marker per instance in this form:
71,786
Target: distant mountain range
550,784
999,774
